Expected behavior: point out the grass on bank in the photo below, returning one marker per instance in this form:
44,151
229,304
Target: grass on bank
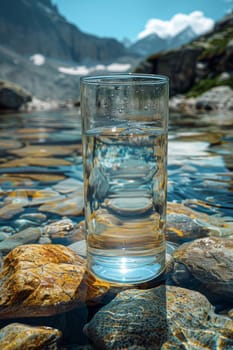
206,84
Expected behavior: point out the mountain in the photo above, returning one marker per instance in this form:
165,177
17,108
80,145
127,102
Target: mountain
199,65
36,26
154,43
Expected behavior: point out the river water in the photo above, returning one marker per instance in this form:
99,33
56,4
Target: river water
41,171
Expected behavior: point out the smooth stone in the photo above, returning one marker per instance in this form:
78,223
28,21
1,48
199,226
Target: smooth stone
15,180
44,240
40,280
159,318
206,265
66,205
45,151
69,185
43,196
38,218
60,227
80,247
3,236
29,235
17,197
16,336
9,144
185,224
41,177
8,211
37,161
22,224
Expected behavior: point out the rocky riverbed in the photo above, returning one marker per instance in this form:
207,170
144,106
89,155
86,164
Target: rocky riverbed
48,298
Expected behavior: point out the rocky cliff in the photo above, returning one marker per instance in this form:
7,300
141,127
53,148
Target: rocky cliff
28,27
198,66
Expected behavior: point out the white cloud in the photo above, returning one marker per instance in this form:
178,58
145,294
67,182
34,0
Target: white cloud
118,67
83,70
38,59
196,20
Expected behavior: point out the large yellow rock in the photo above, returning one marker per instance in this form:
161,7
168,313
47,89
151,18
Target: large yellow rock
40,280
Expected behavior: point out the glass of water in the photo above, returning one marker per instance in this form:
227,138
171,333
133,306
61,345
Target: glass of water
124,134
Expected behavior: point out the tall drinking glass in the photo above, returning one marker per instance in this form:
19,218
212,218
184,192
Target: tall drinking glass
124,128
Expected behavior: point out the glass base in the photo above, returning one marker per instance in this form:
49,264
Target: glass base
127,269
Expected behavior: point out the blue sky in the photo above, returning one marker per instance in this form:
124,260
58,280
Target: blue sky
128,18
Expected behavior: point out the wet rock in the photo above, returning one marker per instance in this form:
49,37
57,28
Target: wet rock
44,196
9,144
206,265
17,197
12,96
40,280
80,247
37,161
159,318
69,185
37,218
29,235
185,224
18,336
10,210
71,205
93,289
59,228
46,151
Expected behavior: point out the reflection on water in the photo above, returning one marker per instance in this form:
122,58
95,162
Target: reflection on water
201,163
41,181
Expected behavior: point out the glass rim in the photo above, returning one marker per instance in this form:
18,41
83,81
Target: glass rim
125,79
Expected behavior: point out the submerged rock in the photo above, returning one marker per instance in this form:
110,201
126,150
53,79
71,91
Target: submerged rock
17,336
206,265
160,318
40,280
29,235
185,224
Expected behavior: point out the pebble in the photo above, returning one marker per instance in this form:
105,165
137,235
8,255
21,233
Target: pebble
71,205
10,210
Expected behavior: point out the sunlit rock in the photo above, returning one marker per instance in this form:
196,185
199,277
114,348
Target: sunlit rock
16,336
160,318
70,205
40,280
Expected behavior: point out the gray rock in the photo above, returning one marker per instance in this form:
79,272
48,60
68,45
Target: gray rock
29,235
220,97
206,265
179,65
160,318
12,96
